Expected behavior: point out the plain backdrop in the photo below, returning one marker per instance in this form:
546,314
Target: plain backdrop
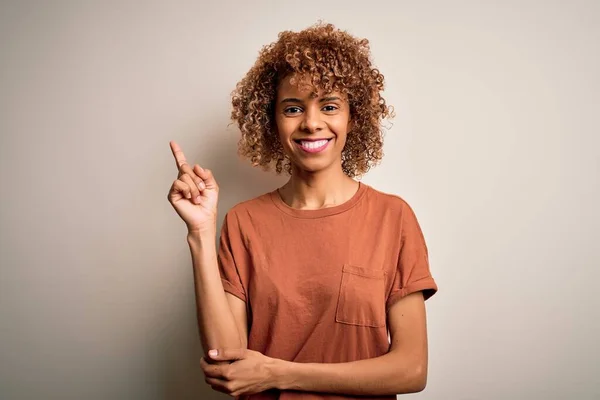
495,146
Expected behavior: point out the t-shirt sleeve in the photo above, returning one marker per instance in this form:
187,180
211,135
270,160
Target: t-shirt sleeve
412,273
232,258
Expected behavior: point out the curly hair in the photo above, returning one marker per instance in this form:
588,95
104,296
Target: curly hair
330,60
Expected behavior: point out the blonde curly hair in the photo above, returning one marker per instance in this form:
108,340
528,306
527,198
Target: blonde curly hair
331,60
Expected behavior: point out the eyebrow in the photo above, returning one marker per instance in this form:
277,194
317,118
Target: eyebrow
295,100
291,100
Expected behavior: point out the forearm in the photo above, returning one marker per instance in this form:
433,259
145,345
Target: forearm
215,319
392,373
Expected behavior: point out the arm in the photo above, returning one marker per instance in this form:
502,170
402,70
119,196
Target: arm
402,370
217,311
194,195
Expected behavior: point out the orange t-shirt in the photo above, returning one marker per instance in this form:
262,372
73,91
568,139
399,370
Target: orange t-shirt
318,283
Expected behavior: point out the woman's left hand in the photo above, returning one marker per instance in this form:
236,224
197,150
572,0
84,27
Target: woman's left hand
248,372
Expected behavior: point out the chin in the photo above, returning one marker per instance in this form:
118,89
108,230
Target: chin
312,166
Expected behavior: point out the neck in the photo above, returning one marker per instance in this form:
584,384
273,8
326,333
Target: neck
314,190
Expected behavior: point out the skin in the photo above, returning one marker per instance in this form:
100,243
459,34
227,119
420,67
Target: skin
317,181
301,114
402,370
194,195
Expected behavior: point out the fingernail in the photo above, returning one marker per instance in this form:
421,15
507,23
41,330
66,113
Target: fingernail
201,185
198,199
213,353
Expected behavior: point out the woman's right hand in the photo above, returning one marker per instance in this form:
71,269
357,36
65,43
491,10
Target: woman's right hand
194,194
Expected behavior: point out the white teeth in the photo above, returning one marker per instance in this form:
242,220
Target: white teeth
313,145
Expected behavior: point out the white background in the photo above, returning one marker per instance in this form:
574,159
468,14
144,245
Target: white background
495,145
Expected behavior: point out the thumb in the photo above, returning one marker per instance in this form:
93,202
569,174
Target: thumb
207,176
227,354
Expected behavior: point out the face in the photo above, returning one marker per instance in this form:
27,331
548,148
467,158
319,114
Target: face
312,128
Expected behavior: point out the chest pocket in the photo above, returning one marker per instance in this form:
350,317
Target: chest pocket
362,297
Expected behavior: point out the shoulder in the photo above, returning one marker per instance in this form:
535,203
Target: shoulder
388,202
251,209
402,212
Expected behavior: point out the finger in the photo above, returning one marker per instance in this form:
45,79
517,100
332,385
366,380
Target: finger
182,188
217,371
187,169
218,385
215,381
207,176
193,186
203,363
207,368
178,154
227,354
241,391
206,364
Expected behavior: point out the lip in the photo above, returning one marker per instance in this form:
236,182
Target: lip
315,150
311,139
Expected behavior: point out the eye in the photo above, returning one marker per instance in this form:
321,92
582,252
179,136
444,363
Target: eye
329,108
292,110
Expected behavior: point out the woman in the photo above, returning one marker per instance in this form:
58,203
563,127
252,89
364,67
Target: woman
310,278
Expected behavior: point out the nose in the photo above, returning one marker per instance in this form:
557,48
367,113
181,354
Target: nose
312,121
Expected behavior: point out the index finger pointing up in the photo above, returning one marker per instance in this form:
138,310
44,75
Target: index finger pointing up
178,154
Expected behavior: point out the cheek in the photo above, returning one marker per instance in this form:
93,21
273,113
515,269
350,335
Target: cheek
342,129
341,141
285,129
283,136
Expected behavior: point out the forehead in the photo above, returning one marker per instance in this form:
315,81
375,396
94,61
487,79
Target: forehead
299,86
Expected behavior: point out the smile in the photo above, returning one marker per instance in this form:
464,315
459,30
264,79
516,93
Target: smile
313,146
